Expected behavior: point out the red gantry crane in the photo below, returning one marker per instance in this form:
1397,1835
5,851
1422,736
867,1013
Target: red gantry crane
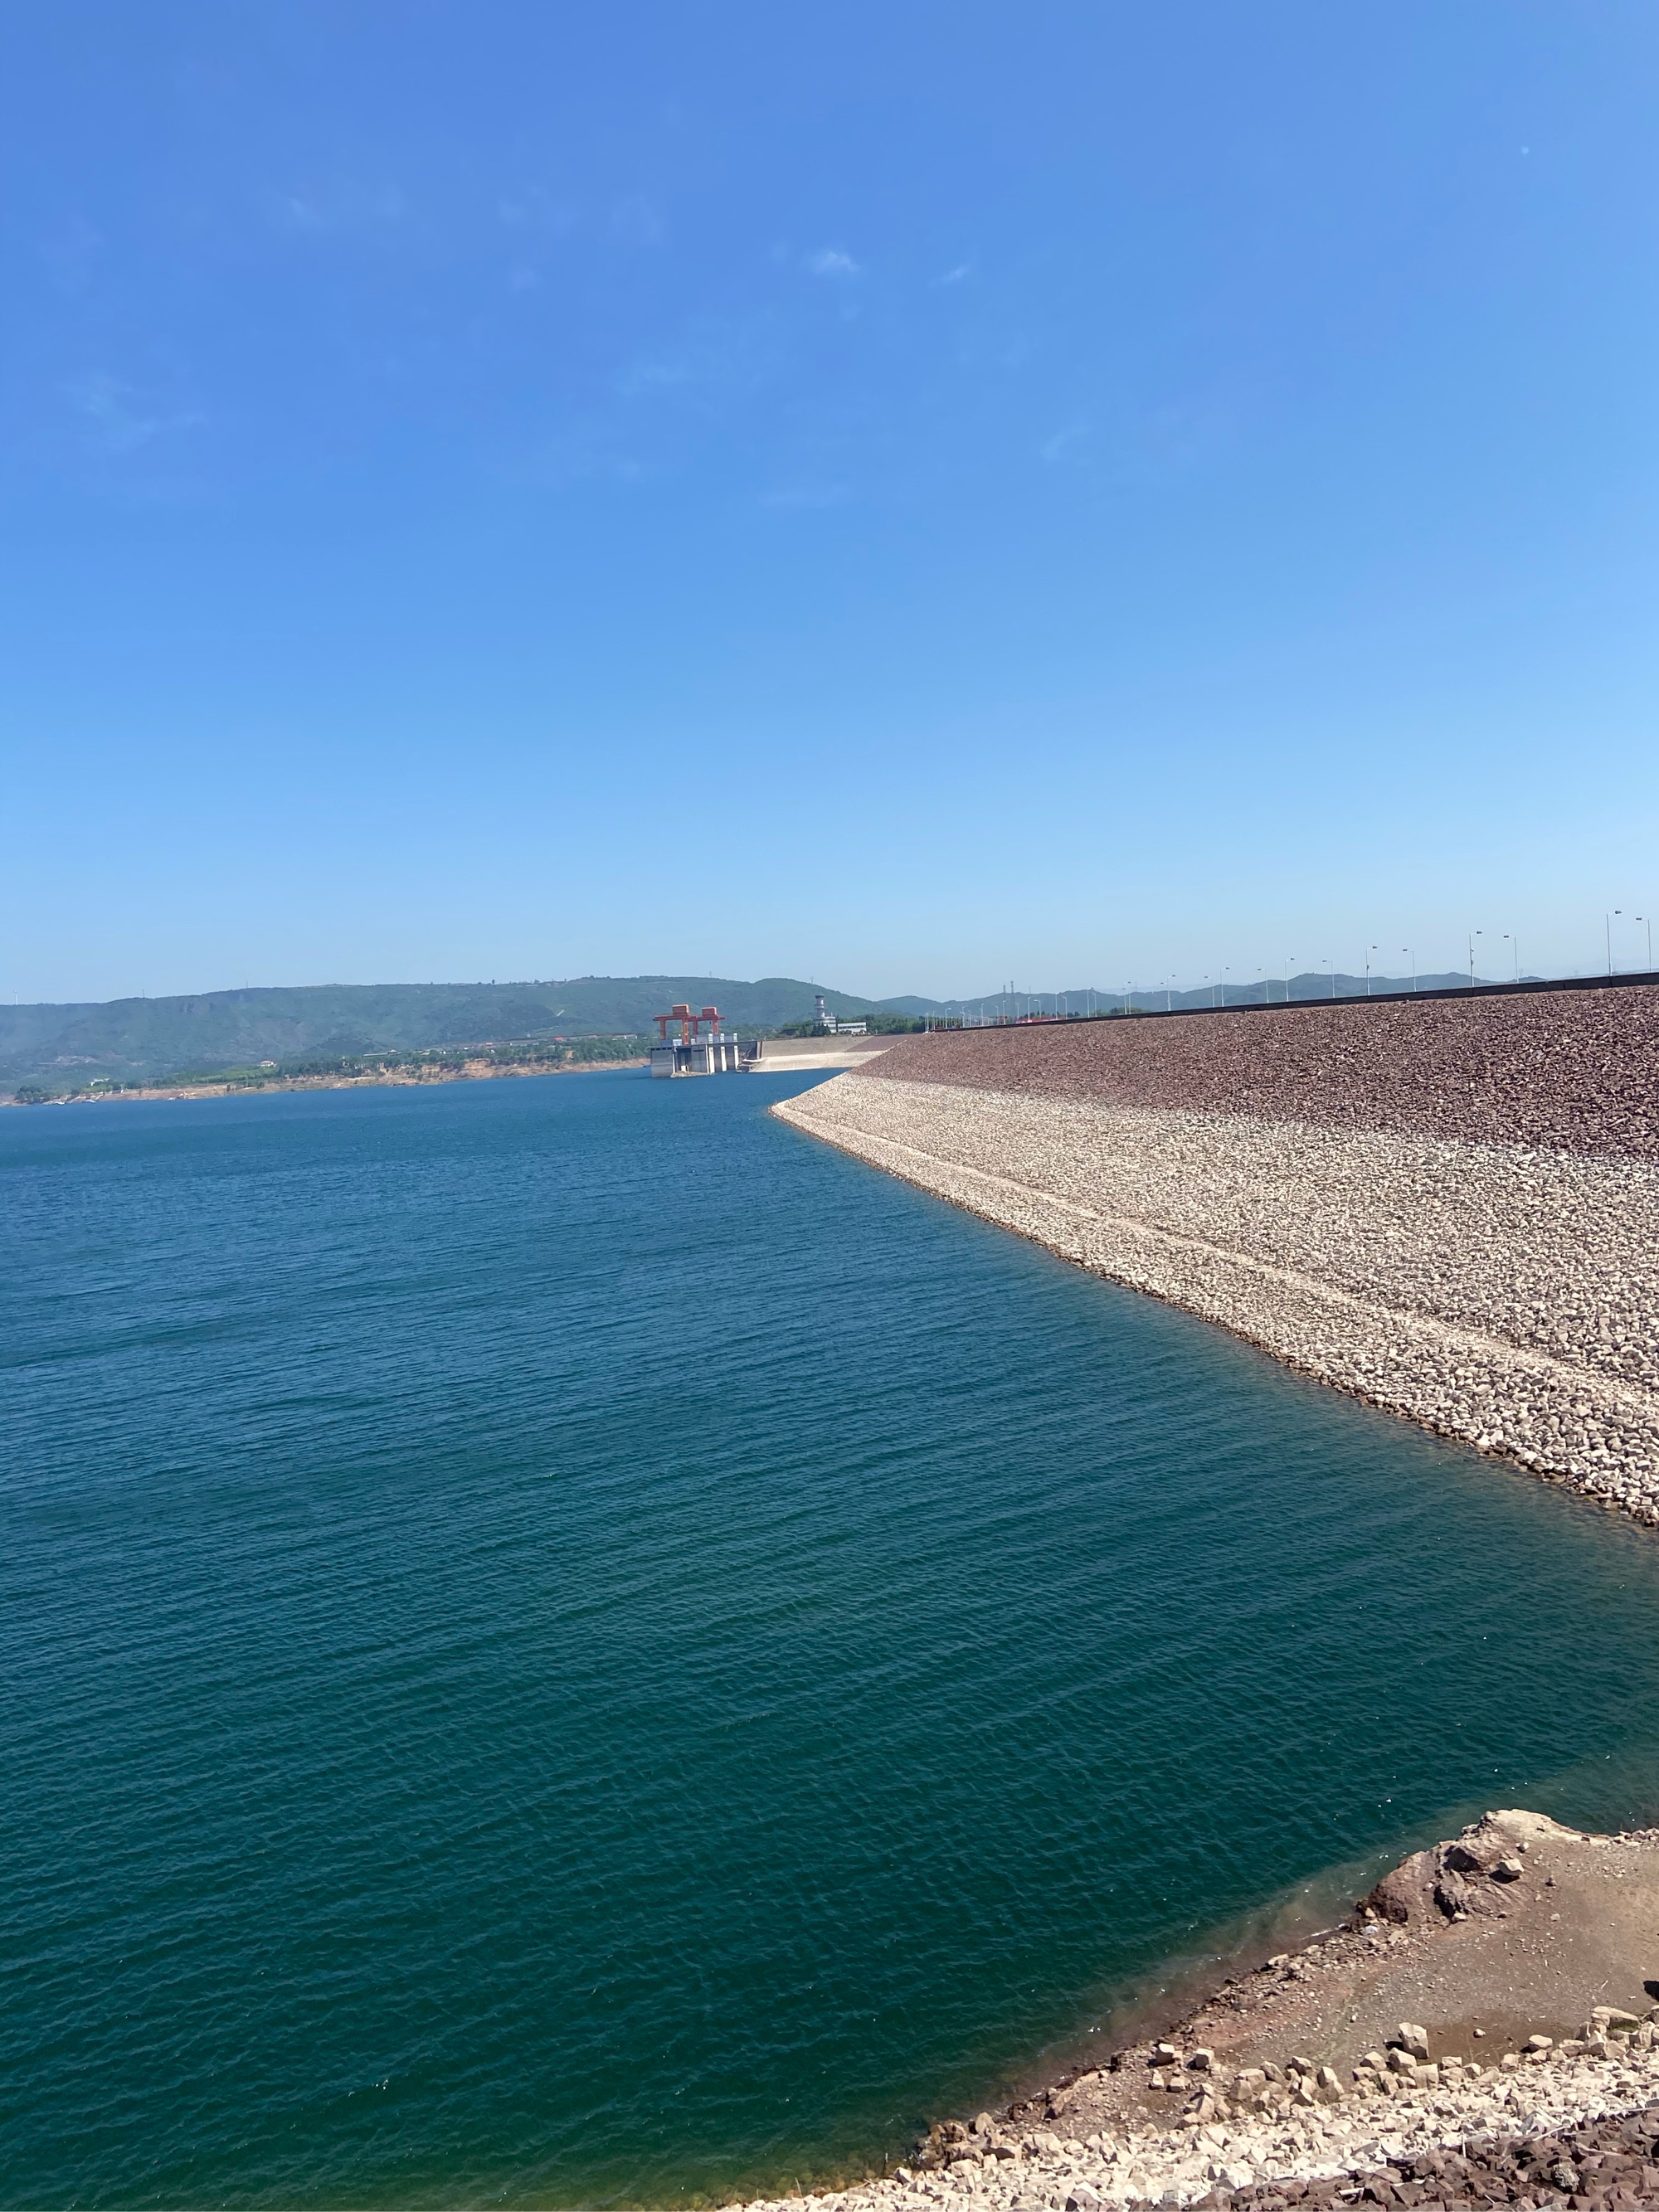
691,1023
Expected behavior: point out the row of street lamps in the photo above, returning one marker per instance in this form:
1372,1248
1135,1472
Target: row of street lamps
1060,1001
1647,923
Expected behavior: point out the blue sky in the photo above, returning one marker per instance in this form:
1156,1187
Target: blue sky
916,495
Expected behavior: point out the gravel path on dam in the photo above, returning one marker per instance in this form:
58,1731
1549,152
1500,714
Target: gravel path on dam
1505,1294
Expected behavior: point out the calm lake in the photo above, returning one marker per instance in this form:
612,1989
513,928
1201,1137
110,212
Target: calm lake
567,1644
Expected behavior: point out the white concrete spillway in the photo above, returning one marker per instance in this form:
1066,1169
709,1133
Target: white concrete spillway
709,1055
726,1055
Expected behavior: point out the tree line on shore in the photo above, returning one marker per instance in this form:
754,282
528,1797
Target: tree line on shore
545,1053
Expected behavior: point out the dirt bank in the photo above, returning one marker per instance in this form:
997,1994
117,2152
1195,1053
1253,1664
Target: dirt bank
1481,2030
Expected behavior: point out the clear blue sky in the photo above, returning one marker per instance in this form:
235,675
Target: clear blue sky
914,494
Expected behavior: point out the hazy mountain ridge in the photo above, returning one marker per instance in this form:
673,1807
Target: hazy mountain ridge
130,1039
1275,990
134,1040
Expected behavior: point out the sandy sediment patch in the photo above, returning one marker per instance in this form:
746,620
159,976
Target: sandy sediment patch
1505,1295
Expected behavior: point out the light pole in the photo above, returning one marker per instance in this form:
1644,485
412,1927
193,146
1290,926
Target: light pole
1474,934
1290,963
1411,956
1331,964
1646,921
1617,910
1513,944
1370,949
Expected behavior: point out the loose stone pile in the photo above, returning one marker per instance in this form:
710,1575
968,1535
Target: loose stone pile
1503,1295
1576,2123
1418,2119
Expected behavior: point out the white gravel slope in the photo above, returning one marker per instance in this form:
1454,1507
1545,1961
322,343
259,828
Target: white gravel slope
1503,1296
1177,2164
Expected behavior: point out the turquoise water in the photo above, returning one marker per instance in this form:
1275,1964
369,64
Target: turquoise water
566,1643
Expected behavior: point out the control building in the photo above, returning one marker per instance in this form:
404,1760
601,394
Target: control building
691,1053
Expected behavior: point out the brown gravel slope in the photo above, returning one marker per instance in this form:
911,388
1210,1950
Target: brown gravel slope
1573,1070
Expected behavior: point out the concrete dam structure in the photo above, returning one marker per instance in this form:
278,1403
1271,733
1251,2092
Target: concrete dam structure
720,1052
1448,1207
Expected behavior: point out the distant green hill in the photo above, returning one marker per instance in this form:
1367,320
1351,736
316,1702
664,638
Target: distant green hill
1140,998
59,1048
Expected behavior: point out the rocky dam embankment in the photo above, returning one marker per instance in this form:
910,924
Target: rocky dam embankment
1449,1208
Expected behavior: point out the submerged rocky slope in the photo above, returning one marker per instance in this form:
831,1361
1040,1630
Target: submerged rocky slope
1524,2070
1449,1208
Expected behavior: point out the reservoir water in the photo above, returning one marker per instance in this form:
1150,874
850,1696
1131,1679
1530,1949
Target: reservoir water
566,1644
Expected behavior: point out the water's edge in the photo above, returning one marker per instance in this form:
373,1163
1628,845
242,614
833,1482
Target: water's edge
1052,1175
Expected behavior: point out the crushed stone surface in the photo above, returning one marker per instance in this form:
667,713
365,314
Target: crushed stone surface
1505,1296
1450,1208
1574,1071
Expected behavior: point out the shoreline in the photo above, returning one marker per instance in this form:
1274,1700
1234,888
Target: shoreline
391,1079
1502,1297
1451,1213
1485,1994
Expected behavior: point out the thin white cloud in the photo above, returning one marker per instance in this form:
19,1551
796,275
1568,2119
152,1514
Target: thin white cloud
959,275
345,205
69,253
636,222
536,208
833,262
1067,445
715,358
584,453
120,422
806,498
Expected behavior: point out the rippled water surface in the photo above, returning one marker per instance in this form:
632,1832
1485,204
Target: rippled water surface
565,1643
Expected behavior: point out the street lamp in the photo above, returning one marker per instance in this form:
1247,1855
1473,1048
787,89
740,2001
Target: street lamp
1411,956
1646,921
1474,934
1370,949
1513,944
1616,911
